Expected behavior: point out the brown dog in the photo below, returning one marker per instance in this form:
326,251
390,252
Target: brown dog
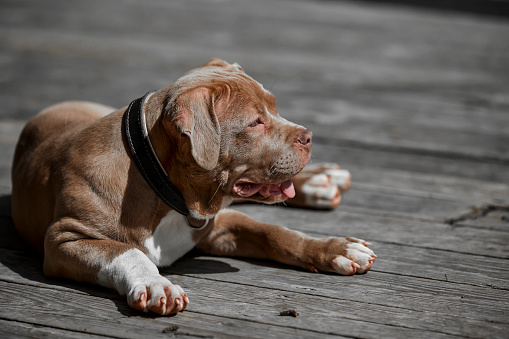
89,194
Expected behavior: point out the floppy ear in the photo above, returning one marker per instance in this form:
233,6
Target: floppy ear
195,117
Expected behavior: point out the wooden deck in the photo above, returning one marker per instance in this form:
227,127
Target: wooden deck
414,101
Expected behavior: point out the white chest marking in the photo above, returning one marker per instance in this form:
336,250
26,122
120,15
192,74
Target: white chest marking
171,240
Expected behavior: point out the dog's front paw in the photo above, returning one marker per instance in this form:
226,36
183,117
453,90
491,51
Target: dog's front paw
344,256
157,294
320,186
356,257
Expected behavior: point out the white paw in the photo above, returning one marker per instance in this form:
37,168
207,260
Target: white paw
325,185
340,178
357,258
157,294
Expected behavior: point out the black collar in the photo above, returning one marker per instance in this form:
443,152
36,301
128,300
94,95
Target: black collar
147,162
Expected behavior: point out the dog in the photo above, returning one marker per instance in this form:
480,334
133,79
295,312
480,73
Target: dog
108,196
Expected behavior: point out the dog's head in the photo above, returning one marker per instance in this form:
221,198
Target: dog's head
231,141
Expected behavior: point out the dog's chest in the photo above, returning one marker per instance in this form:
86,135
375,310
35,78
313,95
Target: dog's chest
171,240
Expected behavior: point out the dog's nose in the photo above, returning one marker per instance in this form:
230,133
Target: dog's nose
305,137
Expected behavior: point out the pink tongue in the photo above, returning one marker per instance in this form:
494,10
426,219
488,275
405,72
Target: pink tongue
248,190
288,188
285,188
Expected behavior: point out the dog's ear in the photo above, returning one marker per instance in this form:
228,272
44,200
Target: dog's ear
195,115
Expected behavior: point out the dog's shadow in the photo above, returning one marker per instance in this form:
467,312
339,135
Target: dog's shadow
19,262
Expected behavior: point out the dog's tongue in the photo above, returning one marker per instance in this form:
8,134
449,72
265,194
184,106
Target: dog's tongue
274,189
266,190
288,189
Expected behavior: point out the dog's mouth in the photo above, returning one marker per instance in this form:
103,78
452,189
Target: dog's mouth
278,191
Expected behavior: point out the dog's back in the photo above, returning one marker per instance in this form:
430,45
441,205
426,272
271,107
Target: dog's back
41,136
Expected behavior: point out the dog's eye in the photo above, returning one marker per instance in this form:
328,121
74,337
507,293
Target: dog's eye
255,123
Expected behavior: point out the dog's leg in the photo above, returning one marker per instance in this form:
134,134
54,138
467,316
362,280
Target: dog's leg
235,234
320,186
74,252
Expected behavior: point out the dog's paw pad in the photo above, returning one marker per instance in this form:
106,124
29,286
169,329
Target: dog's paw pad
158,295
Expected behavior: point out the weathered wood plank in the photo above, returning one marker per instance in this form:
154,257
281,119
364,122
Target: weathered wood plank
394,61
417,291
20,329
417,205
323,22
407,292
358,159
493,220
371,226
246,304
466,190
390,133
251,316
323,312
394,203
46,307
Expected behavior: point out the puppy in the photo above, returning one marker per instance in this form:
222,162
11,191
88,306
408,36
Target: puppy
110,195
